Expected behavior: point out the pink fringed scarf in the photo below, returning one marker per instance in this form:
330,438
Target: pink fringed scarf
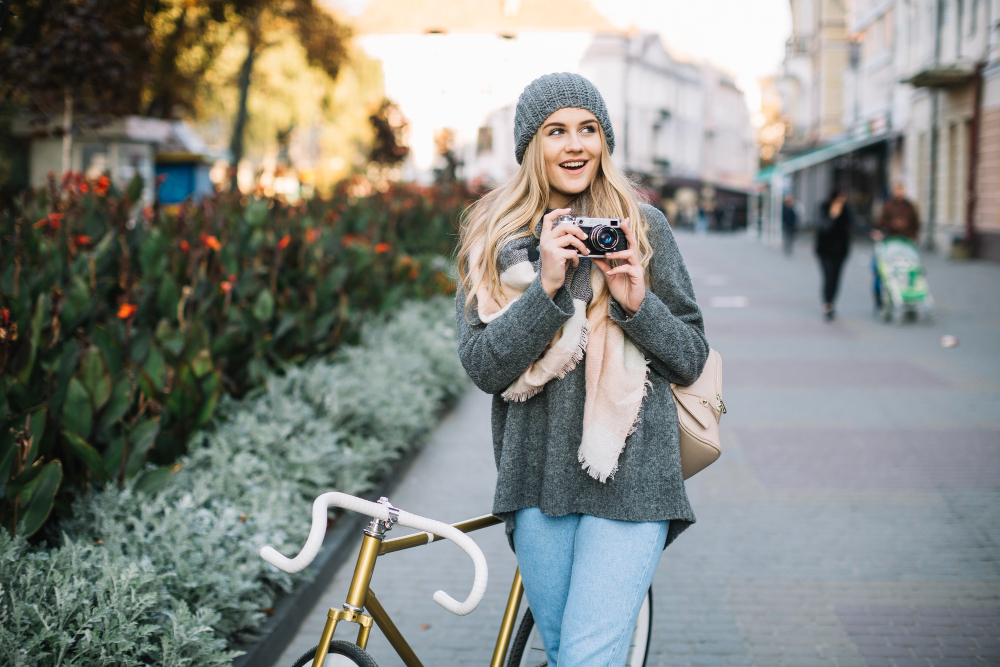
615,369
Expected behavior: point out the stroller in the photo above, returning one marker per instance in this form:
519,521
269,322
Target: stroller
903,285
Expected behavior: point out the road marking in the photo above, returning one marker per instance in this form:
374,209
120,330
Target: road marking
729,302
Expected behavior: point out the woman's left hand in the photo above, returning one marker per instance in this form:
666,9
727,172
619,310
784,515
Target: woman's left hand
626,282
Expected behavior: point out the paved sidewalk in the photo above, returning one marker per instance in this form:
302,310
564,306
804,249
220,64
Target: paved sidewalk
853,520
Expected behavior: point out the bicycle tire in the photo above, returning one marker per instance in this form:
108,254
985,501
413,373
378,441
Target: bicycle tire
338,647
523,637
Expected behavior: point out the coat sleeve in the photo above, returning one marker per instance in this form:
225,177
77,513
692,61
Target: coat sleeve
668,327
495,354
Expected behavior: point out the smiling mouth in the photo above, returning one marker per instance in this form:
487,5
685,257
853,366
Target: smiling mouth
574,166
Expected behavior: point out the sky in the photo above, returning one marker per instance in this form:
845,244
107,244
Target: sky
744,37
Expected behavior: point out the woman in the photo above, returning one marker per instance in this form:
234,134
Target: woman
589,478
833,240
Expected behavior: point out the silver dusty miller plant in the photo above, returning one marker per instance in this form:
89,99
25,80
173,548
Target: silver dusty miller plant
174,578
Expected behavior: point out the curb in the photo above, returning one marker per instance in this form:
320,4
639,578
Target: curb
291,609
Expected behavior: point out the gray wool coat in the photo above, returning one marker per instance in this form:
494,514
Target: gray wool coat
535,443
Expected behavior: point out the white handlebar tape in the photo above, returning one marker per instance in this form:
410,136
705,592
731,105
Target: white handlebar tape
336,499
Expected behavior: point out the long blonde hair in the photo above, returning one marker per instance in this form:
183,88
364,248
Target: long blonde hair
512,210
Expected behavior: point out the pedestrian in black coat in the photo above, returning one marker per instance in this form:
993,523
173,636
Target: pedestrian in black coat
833,241
789,223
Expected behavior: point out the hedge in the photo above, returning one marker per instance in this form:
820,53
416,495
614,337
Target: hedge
173,578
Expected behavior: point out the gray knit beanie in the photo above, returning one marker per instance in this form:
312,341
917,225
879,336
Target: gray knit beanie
546,95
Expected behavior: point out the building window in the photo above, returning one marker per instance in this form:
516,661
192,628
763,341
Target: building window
484,141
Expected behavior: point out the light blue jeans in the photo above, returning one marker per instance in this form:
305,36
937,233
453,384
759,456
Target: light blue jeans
585,579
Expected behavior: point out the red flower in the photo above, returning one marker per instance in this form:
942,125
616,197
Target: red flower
81,240
127,310
148,212
84,188
312,235
185,246
213,243
381,248
103,183
226,286
52,221
5,315
285,240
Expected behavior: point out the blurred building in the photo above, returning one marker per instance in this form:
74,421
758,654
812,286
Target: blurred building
952,61
124,148
457,67
919,95
811,85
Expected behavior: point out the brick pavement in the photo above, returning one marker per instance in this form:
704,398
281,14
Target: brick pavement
853,521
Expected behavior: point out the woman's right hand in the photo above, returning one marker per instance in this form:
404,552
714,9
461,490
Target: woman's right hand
557,246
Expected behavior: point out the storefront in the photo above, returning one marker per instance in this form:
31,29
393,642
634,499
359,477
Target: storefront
862,168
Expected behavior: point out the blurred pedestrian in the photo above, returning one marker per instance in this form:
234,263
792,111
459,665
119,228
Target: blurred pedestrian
833,241
789,223
561,340
899,218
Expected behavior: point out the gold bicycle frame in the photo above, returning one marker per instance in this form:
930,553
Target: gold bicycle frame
360,597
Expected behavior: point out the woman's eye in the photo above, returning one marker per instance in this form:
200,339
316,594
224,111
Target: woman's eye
556,131
589,129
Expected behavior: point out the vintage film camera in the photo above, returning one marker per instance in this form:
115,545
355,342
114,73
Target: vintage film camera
604,235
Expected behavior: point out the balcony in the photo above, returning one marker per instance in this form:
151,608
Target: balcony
942,76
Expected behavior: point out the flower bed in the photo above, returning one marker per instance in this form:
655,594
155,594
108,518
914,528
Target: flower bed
121,327
174,578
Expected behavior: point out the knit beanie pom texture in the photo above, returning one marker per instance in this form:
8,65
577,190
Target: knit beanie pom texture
549,93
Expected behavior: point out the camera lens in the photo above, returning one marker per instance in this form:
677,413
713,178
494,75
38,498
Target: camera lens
604,238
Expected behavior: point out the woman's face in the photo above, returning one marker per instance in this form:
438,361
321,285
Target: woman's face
571,144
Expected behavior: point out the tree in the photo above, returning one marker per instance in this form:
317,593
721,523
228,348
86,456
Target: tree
77,60
324,41
389,127
188,37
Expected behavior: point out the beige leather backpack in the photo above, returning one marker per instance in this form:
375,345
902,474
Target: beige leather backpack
699,409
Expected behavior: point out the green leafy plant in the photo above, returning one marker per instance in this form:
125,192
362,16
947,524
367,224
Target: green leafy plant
122,327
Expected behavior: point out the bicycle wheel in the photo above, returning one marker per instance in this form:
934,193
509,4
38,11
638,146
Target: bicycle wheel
339,654
527,649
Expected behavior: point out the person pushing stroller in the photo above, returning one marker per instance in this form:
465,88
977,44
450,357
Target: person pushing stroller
900,285
899,218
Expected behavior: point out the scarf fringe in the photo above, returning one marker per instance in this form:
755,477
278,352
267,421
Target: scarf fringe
591,470
646,386
574,361
578,353
521,396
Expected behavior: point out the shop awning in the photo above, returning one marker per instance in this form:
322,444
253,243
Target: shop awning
822,154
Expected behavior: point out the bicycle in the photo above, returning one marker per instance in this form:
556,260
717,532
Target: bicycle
527,649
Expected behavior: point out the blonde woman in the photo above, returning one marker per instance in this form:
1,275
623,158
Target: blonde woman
579,354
